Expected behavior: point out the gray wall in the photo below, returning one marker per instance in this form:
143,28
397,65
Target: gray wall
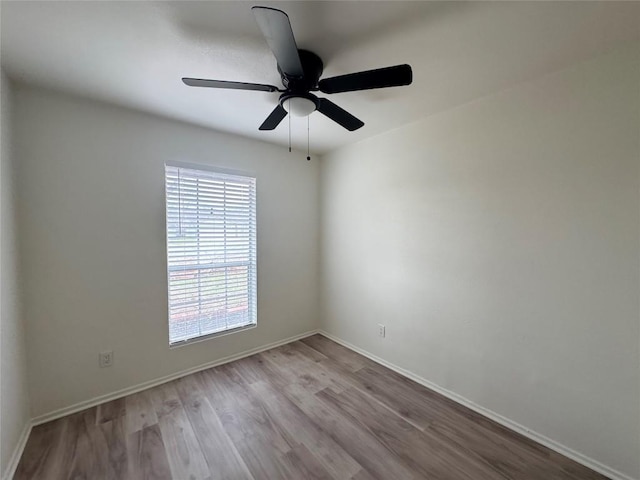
498,243
92,217
14,398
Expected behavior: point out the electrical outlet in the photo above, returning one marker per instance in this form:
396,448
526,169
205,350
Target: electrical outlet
106,358
381,330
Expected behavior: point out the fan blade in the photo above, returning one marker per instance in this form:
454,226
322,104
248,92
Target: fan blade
274,118
395,76
277,31
200,82
339,115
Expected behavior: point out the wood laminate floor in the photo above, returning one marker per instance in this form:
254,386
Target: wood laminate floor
311,409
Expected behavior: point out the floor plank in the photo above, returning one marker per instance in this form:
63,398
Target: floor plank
297,367
357,442
248,425
147,456
301,463
114,441
297,427
183,449
85,450
111,410
405,400
310,409
139,412
43,451
422,452
221,455
350,359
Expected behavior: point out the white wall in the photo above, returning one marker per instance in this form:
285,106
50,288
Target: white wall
499,242
92,218
14,398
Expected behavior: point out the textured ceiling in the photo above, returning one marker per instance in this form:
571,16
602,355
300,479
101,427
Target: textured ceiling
134,54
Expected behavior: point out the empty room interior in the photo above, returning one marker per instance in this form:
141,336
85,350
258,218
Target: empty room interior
345,240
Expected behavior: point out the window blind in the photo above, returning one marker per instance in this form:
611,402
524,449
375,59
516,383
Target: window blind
211,252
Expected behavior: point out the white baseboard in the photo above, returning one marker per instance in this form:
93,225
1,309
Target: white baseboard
62,412
10,471
612,473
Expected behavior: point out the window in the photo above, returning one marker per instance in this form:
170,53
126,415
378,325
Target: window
211,252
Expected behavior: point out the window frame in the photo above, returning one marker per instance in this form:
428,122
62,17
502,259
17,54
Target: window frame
222,171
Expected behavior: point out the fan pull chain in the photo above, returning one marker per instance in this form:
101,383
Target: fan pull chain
289,104
308,156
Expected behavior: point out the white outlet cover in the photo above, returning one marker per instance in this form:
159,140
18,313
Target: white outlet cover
105,359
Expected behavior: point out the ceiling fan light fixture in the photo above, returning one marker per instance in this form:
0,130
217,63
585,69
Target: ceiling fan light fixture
299,106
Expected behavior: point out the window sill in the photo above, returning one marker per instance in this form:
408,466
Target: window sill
183,343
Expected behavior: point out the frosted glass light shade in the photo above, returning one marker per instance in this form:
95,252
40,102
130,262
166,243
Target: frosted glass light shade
299,106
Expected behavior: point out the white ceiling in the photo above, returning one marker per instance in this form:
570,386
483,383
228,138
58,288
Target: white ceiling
135,53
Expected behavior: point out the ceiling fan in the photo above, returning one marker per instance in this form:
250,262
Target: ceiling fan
300,71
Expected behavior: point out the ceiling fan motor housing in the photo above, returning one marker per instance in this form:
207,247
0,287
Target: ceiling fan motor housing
312,67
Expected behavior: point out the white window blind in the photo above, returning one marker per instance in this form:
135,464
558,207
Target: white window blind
211,250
